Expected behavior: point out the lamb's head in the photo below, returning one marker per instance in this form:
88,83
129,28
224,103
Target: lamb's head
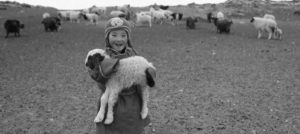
97,59
94,58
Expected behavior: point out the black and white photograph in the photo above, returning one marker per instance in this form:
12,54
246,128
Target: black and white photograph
150,67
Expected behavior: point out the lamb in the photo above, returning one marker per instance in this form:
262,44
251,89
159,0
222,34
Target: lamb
264,25
222,25
135,70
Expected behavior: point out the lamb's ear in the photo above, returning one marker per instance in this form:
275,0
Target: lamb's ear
150,76
89,63
108,66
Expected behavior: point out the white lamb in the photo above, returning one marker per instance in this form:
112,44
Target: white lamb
264,25
135,70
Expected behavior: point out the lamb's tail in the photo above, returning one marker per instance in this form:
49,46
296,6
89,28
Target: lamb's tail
150,75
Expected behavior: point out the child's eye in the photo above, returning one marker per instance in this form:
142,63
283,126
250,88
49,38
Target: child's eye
124,35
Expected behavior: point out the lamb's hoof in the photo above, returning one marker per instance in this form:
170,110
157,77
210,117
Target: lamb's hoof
98,119
144,114
108,121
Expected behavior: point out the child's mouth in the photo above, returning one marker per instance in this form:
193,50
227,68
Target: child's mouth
119,45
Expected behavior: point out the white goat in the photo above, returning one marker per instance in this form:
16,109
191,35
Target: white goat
135,70
264,25
143,17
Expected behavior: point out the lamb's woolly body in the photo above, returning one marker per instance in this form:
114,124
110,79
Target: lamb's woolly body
131,71
264,25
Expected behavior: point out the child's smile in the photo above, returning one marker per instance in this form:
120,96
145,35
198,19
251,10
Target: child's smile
118,39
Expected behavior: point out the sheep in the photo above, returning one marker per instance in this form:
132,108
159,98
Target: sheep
126,10
46,15
97,10
13,26
117,13
75,16
92,17
143,17
269,16
52,24
190,23
264,25
222,25
160,15
64,15
135,70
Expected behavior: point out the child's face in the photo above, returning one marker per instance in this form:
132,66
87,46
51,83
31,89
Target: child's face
118,39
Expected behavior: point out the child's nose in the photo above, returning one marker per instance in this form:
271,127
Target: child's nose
119,39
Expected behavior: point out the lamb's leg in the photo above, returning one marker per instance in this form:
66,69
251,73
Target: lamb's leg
104,99
259,34
111,102
145,97
270,35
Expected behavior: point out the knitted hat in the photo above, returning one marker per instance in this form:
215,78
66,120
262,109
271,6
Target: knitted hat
117,23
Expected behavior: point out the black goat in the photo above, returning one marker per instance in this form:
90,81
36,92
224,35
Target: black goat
222,25
13,26
51,24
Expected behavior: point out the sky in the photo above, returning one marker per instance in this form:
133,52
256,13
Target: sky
80,4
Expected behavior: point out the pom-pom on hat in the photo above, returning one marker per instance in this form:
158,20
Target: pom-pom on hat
117,23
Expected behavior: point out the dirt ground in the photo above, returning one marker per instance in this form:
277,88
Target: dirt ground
207,83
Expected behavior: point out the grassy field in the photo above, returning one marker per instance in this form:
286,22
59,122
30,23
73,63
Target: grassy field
207,83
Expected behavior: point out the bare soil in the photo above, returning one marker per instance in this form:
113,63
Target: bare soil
207,83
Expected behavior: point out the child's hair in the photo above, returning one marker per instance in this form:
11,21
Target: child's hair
117,23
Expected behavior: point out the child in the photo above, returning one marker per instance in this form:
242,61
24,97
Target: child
127,117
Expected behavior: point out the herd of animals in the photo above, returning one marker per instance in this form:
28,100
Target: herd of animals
161,14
